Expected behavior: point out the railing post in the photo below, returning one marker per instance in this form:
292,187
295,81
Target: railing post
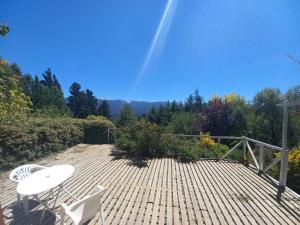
284,153
261,159
245,152
219,142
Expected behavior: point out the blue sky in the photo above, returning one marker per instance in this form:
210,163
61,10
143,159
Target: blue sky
126,50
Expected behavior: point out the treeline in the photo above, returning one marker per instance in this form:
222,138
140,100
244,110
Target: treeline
44,97
230,115
25,95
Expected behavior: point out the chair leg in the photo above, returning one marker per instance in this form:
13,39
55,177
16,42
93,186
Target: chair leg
102,215
18,199
62,216
26,205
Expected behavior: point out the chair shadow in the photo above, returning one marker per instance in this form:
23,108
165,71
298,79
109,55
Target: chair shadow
17,216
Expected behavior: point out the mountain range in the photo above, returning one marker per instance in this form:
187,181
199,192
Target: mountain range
139,107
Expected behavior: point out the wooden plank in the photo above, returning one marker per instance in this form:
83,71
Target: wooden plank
145,198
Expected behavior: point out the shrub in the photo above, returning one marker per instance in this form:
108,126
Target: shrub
182,123
180,148
140,138
293,180
143,138
24,142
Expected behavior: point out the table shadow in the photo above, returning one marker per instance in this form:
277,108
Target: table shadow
14,214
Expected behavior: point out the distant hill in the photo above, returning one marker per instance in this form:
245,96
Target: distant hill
139,107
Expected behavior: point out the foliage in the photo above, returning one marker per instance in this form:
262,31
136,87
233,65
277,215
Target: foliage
194,103
206,140
139,138
126,116
293,96
182,123
14,104
39,137
104,109
216,119
4,29
223,116
268,124
181,148
143,138
44,93
294,169
82,103
52,112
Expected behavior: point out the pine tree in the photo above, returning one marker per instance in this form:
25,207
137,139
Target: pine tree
104,109
126,116
198,104
152,115
188,105
81,103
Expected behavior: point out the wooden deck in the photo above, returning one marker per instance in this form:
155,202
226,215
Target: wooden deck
162,191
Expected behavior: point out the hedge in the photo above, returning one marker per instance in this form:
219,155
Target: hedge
24,142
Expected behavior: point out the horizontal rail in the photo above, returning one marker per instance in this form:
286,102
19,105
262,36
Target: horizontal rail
263,143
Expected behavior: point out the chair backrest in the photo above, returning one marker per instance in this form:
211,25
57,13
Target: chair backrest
87,207
24,171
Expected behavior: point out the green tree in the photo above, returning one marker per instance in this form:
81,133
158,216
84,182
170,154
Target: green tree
81,103
182,123
104,109
293,95
267,122
198,104
14,104
45,93
152,115
126,116
188,104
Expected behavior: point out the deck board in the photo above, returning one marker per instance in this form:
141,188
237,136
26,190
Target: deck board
161,191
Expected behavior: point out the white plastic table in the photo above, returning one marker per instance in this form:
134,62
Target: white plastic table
45,180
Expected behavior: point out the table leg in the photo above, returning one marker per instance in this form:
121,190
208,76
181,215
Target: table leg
59,190
45,207
26,205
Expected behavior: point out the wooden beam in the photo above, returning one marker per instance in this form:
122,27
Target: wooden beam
272,164
252,154
231,150
284,152
261,158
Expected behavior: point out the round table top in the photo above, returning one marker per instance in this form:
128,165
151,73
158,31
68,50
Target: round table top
45,179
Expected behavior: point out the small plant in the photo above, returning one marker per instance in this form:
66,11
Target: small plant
243,197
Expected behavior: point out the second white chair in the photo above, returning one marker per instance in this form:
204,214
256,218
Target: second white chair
85,209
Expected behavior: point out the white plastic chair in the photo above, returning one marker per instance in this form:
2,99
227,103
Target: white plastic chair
20,173
85,209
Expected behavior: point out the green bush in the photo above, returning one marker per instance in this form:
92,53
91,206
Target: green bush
24,142
140,138
143,138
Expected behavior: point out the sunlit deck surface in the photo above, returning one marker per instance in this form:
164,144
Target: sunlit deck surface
162,191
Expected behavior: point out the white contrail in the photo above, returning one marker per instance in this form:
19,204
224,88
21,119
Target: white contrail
158,39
